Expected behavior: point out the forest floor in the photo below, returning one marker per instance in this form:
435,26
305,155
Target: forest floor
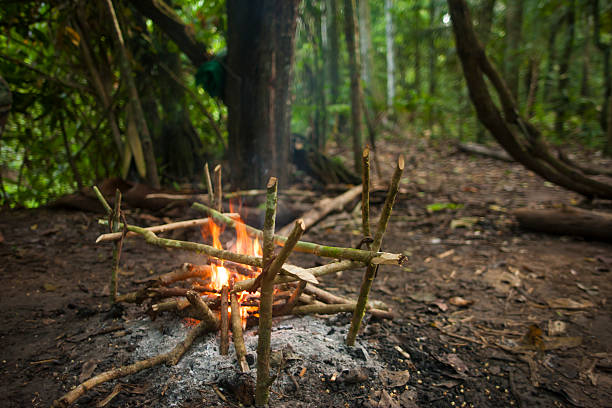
535,329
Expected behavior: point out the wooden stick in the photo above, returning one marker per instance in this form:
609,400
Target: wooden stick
158,228
337,308
292,301
224,337
170,358
368,277
321,250
218,189
113,220
186,271
237,334
316,271
365,192
102,200
266,299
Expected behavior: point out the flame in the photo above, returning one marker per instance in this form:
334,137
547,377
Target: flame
221,276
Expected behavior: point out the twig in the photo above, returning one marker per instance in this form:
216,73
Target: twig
102,200
113,220
209,186
237,334
186,271
316,271
309,247
267,296
365,192
158,228
265,315
368,277
218,189
292,301
224,337
170,358
338,308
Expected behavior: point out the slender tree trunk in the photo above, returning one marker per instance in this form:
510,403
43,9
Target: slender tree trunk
390,55
433,55
261,44
333,56
564,66
126,72
549,71
417,50
365,44
531,84
606,106
514,24
351,33
485,21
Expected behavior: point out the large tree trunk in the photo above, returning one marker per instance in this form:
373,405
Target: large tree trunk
516,135
260,40
352,43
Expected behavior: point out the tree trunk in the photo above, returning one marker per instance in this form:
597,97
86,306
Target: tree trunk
606,106
516,135
352,43
485,21
261,44
433,55
549,72
365,44
564,66
390,55
333,37
514,24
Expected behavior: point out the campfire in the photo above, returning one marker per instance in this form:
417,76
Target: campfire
245,281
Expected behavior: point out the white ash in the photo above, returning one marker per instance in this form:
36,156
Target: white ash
311,342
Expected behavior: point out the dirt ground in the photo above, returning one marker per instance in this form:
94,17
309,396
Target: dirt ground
488,314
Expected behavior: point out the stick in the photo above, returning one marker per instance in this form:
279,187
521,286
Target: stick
338,308
323,207
368,277
103,201
170,358
316,271
158,228
365,192
224,337
262,388
113,220
267,296
292,301
218,189
237,334
209,186
321,250
186,271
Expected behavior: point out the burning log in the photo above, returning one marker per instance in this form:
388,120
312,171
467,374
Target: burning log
368,278
170,358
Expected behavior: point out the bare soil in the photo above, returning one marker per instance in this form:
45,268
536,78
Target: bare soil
534,330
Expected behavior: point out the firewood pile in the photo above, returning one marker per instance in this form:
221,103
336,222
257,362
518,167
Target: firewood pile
247,285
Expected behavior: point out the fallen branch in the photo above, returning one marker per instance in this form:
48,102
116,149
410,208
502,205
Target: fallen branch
482,150
170,358
322,208
338,308
567,221
158,228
